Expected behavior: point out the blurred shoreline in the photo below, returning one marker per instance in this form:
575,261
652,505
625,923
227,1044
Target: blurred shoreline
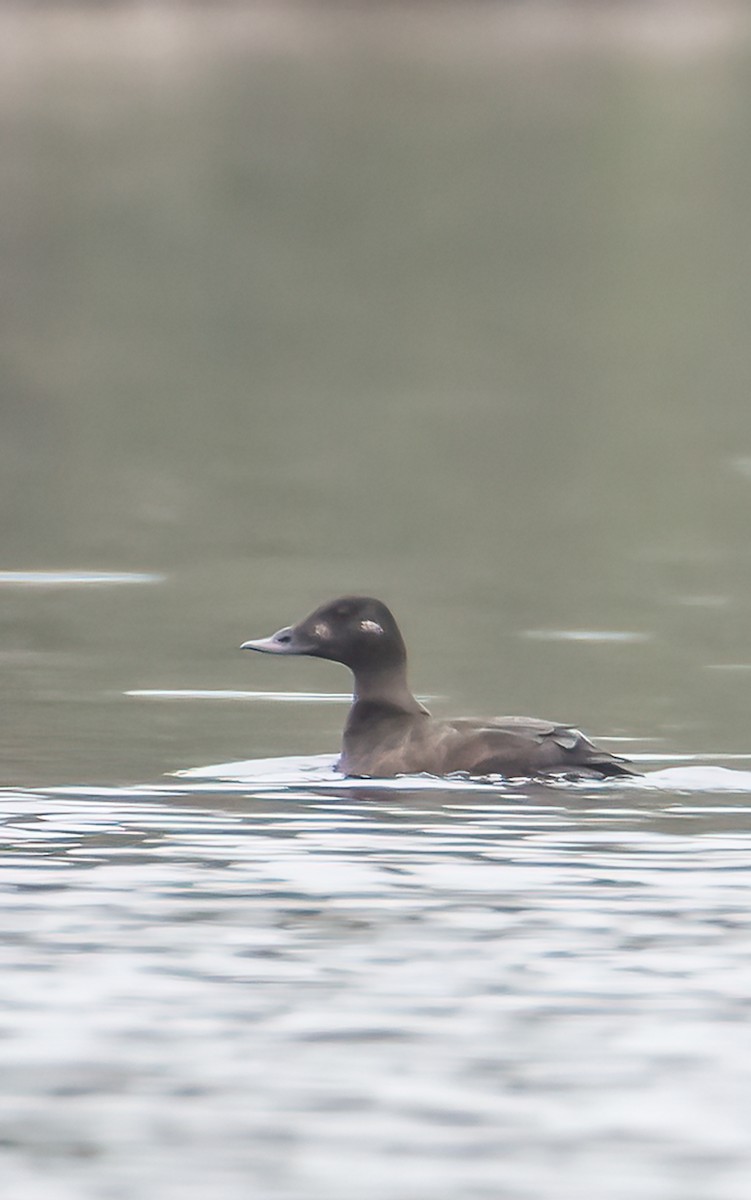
662,29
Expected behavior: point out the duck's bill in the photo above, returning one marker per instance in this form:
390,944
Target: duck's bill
281,642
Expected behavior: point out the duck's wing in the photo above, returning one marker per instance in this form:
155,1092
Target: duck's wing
516,746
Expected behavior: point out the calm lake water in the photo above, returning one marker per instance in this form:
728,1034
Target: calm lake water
447,308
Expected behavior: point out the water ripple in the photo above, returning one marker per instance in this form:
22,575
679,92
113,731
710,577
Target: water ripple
75,578
415,987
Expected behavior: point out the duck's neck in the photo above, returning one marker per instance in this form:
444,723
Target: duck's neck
384,687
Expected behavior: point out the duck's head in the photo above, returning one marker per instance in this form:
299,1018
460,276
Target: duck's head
357,631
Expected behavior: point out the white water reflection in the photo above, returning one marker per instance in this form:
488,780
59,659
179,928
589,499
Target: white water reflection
228,694
75,578
319,772
585,635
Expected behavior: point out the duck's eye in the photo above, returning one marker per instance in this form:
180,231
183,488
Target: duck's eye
371,627
341,612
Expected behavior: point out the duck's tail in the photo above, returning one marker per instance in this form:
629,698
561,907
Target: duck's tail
611,764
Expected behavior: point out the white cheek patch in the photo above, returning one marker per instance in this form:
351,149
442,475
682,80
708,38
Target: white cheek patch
370,627
322,631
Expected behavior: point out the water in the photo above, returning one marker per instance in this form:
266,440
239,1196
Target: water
431,991
453,311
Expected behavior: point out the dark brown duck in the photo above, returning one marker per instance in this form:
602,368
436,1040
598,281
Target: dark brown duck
388,732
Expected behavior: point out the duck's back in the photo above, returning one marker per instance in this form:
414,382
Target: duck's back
392,743
523,746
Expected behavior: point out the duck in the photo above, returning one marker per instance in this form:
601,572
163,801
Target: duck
388,732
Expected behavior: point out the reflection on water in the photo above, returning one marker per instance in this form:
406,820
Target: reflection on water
450,307
585,635
73,578
227,694
434,994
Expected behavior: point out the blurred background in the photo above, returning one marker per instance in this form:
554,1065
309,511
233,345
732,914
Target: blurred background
444,303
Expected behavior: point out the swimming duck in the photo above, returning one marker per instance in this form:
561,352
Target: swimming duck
388,732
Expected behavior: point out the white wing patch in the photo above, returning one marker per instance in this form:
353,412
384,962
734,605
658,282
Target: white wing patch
370,627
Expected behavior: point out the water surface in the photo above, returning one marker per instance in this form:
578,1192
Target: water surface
433,992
